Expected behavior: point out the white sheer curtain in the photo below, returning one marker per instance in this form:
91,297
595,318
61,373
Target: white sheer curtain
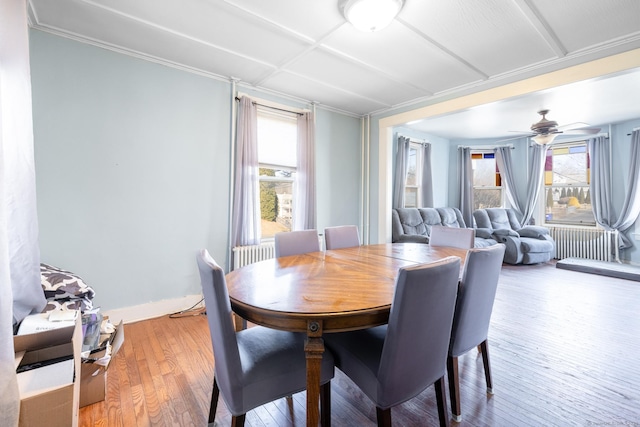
402,154
304,210
465,185
427,180
536,169
245,225
20,288
600,187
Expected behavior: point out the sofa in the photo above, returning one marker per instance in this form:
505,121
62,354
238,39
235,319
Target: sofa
525,244
414,225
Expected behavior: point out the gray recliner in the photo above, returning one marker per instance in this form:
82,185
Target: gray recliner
414,225
452,217
526,244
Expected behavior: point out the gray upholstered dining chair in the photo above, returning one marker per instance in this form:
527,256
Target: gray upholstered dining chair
476,294
463,238
296,242
341,236
256,365
395,362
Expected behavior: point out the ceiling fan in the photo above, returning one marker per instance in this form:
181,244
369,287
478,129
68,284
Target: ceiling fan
545,131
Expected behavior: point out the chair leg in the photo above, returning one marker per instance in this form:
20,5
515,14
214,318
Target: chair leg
325,404
214,400
484,345
384,417
238,421
454,387
441,400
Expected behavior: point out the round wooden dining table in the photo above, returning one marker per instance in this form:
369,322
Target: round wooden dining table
323,292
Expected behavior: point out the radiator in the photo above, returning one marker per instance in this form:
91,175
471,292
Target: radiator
244,255
588,243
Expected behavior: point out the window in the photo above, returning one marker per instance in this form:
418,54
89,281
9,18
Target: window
414,177
487,185
277,141
566,181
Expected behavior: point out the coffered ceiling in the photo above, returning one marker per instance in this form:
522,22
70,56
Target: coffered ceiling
434,50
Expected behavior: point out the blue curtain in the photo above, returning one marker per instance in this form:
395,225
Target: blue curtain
426,185
601,192
465,185
525,207
402,154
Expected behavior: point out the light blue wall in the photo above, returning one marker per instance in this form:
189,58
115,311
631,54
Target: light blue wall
338,169
133,169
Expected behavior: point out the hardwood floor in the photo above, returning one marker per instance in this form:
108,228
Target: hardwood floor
564,347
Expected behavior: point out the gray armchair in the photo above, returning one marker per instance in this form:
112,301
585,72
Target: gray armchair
526,244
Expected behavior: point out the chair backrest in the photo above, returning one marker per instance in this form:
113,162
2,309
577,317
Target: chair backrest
296,242
415,348
343,236
223,337
454,237
476,294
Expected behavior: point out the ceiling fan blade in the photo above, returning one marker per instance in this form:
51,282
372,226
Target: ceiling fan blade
576,125
584,131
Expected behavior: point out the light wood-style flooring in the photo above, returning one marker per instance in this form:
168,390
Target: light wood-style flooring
564,346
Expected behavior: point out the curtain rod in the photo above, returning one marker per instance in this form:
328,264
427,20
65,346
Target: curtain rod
424,141
485,147
273,108
633,130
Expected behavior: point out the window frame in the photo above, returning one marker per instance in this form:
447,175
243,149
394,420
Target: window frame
586,184
267,111
498,177
413,145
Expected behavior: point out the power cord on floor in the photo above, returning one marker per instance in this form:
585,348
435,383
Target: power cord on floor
194,310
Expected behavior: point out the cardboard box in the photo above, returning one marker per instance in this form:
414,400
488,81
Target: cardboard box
93,377
49,392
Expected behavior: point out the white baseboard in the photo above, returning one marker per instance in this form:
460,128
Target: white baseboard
150,310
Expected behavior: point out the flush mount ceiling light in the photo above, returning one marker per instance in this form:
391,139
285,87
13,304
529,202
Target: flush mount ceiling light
371,15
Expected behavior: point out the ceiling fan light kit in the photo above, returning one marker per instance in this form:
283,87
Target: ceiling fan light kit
371,15
544,139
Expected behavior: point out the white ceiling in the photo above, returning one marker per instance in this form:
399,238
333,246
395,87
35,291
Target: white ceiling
434,50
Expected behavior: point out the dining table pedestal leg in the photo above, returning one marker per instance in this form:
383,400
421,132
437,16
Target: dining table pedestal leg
314,347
